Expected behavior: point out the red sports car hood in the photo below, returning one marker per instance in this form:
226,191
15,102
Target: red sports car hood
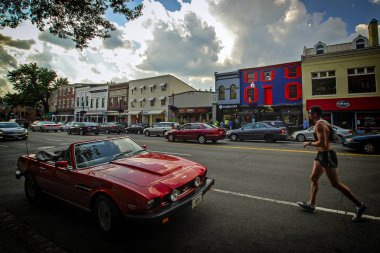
145,169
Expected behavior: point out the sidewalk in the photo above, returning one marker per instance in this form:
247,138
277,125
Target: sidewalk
17,236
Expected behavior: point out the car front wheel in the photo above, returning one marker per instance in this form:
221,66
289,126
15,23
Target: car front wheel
339,139
107,214
171,137
147,133
301,138
202,139
32,191
369,148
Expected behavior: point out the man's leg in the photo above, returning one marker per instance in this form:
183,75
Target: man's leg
316,173
332,175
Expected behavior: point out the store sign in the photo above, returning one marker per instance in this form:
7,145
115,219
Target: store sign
343,104
228,107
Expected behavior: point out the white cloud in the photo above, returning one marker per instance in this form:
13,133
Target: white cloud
375,1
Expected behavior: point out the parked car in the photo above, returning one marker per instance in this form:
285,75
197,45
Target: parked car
368,143
160,128
45,126
136,128
275,123
201,132
12,130
83,128
66,125
258,131
308,134
111,127
115,178
22,122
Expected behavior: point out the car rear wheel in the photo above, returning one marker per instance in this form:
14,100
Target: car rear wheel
202,139
68,132
234,137
339,139
33,129
147,133
81,132
301,138
369,148
269,138
107,214
41,130
32,191
171,137
107,131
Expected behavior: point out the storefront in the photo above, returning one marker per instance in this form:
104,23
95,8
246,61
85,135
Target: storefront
153,116
188,115
361,114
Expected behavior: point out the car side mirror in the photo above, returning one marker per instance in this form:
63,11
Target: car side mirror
61,164
145,147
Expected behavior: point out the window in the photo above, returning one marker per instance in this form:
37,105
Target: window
293,91
361,80
103,102
77,101
250,77
222,93
92,103
124,100
96,103
360,43
86,100
152,88
163,101
323,83
267,75
233,92
251,95
292,72
110,101
133,103
152,101
320,49
163,86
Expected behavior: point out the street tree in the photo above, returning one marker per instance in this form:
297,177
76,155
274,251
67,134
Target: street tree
78,20
34,84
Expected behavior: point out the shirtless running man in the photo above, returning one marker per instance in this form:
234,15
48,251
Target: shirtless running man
326,161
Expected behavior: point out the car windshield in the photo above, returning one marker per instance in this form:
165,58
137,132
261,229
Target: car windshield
9,125
94,153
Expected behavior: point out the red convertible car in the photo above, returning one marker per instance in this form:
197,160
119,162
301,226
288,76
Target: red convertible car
115,178
200,132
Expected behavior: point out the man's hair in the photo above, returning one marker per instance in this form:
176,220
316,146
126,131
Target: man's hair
316,109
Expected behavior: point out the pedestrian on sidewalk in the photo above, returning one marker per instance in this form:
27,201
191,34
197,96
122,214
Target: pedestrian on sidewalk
326,161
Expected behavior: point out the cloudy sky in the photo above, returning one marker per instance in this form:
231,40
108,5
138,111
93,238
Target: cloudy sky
191,39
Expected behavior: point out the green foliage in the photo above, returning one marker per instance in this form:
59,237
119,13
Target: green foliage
78,20
34,85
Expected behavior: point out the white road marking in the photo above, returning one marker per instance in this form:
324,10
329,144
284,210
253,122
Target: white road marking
170,153
52,140
46,147
3,146
293,204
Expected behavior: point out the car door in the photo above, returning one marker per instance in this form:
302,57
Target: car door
247,131
156,129
309,133
261,130
183,132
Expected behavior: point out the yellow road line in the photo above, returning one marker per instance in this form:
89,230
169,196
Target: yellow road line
269,149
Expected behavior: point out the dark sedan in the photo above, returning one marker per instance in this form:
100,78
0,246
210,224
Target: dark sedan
368,143
83,128
136,128
196,131
258,131
111,127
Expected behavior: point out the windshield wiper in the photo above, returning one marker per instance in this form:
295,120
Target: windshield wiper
139,151
120,155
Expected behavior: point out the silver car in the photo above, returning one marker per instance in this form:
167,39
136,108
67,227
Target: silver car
160,128
12,130
308,134
45,126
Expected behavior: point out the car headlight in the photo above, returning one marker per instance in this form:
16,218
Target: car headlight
197,181
174,196
25,130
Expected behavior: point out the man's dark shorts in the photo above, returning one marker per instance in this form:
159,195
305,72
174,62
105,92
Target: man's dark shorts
327,159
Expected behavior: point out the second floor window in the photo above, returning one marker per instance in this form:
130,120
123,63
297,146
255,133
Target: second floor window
233,92
222,93
103,102
320,49
361,80
323,83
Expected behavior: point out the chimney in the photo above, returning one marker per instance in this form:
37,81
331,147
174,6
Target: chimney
373,33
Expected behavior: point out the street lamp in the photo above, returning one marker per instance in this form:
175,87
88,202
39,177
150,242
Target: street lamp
253,100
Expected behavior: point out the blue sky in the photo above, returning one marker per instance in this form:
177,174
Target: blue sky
191,39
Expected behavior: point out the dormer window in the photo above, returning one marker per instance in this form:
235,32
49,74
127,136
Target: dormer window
360,44
320,49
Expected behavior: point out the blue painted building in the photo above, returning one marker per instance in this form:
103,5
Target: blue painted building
272,93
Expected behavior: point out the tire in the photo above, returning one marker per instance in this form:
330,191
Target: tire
234,137
171,137
32,191
201,139
41,130
269,138
107,131
163,133
96,133
339,139
68,132
81,132
214,141
301,138
33,129
369,148
147,133
55,130
107,214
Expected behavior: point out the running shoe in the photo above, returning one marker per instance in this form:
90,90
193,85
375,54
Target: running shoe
306,206
359,212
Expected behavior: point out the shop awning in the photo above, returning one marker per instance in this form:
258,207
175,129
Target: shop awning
154,112
152,85
134,112
152,98
141,99
161,98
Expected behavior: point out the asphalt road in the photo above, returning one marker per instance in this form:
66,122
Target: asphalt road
250,209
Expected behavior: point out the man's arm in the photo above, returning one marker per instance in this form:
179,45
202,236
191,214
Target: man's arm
322,134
